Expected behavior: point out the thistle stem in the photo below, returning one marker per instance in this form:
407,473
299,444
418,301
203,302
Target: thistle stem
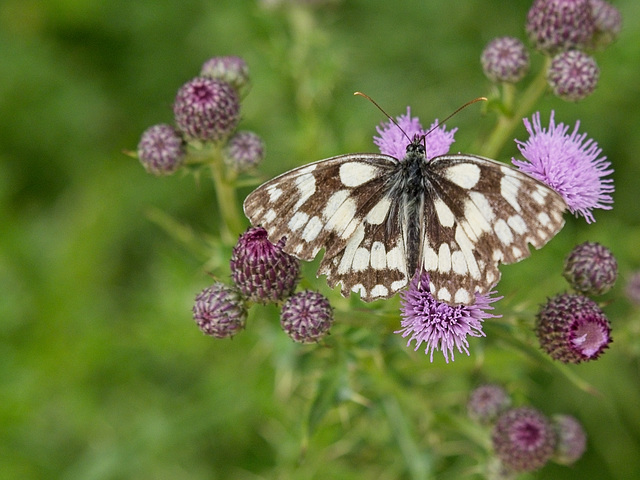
232,224
509,120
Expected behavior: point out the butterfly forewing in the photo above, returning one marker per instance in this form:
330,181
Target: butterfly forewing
456,217
341,204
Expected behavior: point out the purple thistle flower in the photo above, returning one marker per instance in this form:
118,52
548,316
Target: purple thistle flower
161,149
393,142
524,439
487,402
306,317
440,325
570,164
571,328
572,439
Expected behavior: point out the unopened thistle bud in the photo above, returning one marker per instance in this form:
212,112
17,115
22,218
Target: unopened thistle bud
306,317
219,311
591,268
161,149
261,270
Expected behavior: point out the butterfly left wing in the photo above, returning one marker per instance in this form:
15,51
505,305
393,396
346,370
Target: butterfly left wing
342,205
480,213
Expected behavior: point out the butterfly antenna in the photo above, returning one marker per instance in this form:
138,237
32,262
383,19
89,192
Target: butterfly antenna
439,124
389,116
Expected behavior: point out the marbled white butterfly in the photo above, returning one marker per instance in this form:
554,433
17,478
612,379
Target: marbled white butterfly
381,219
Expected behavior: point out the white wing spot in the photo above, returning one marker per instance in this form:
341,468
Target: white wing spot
270,216
497,256
517,224
462,296
350,250
504,233
458,262
444,258
378,213
491,278
359,288
306,187
342,216
429,259
517,252
379,291
334,202
509,187
444,294
298,221
540,195
465,175
308,169
361,259
445,215
312,230
396,259
354,174
398,284
467,247
274,193
378,256
544,219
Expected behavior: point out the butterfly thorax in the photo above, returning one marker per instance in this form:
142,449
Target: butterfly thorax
413,179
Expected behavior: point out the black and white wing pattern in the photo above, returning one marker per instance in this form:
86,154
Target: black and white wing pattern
381,219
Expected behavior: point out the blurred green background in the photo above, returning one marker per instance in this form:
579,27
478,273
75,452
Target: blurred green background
103,374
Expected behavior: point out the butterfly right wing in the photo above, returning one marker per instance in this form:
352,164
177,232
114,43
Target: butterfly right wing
343,205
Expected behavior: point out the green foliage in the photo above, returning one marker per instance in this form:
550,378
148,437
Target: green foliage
104,375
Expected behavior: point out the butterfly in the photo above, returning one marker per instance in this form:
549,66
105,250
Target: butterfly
381,219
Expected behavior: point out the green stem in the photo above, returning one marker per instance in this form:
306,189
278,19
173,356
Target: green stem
508,121
232,224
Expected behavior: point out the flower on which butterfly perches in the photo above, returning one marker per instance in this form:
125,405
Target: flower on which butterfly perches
569,163
439,325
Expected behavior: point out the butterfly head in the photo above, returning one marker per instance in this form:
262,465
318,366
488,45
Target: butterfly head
417,145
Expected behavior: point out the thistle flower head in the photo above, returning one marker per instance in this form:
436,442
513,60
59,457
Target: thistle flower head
608,23
306,317
572,439
207,109
505,59
244,151
556,25
219,311
393,142
591,268
261,270
632,290
486,402
569,163
573,75
524,439
161,149
231,69
439,325
571,328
